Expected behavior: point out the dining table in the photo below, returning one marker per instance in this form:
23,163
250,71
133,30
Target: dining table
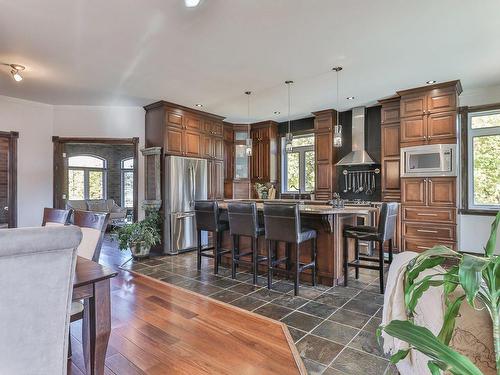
91,284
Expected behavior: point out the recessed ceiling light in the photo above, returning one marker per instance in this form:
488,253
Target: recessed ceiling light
350,98
277,112
430,82
199,105
192,3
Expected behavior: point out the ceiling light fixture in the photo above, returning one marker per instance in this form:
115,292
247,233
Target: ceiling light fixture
248,141
430,82
350,98
337,133
277,112
289,135
199,105
16,70
192,3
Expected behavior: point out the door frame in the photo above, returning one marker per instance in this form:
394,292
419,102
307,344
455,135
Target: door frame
58,162
12,166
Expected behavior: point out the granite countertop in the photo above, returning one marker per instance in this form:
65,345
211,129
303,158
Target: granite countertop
317,209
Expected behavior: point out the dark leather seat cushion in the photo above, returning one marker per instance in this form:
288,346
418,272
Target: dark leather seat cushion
360,228
362,232
306,234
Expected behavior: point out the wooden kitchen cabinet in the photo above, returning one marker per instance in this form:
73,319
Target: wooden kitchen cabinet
323,147
430,214
441,191
414,129
414,191
192,143
263,162
215,179
390,141
389,113
441,126
174,141
413,105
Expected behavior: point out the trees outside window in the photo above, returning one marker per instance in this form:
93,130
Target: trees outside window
86,177
483,160
127,182
298,166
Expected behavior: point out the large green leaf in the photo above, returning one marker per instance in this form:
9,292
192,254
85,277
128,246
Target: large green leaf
470,275
421,265
415,291
449,320
425,342
401,354
492,241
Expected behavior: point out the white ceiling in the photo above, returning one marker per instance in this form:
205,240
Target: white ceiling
134,52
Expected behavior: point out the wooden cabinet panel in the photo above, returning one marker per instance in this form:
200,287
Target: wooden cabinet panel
323,123
210,179
217,129
441,100
413,129
390,141
218,179
390,114
414,191
419,245
442,191
173,141
391,196
193,143
430,214
218,146
174,119
323,176
193,123
323,147
442,125
413,105
241,190
208,147
429,231
265,153
228,160
390,175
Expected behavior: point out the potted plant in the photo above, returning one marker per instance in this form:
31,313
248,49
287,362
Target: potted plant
478,277
140,236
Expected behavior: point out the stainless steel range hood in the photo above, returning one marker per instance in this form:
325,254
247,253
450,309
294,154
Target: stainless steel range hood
358,155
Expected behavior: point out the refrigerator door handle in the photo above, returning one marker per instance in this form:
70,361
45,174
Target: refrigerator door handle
193,191
185,216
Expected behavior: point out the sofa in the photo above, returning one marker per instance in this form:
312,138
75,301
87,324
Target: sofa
98,205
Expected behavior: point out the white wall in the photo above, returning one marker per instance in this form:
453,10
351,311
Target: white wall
474,230
37,123
103,122
34,123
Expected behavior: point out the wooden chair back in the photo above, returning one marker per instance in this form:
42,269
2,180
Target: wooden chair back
93,226
56,216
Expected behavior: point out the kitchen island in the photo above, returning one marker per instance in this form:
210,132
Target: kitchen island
328,223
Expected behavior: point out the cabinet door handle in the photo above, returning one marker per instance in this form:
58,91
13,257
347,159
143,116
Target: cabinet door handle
423,247
420,214
426,231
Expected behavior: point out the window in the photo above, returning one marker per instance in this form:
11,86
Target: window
127,173
483,144
86,177
298,165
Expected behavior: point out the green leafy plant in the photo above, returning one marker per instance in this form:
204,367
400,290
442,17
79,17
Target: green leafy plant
479,277
145,233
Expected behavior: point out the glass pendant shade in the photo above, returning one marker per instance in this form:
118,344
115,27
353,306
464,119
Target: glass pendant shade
337,136
289,142
248,148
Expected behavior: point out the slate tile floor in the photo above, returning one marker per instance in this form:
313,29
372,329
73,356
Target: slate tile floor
333,328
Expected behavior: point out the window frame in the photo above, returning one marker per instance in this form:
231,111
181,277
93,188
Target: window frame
467,167
122,180
301,150
86,171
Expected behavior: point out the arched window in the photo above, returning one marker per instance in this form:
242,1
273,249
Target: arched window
86,177
127,172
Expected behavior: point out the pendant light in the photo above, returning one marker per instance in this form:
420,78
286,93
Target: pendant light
337,130
289,135
248,144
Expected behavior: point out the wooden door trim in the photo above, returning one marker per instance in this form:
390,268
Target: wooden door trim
12,204
58,142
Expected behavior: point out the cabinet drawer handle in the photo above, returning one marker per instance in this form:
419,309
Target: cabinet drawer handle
426,231
423,247
420,214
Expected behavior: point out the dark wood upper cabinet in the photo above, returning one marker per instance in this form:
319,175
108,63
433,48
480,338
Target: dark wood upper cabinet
390,141
264,159
413,105
193,143
218,148
323,147
174,119
174,141
441,125
193,123
390,113
442,100
414,129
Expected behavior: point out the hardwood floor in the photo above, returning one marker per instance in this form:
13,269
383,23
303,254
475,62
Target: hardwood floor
158,328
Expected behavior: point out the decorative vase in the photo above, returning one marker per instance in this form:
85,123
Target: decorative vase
140,250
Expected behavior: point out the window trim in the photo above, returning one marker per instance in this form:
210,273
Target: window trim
122,179
467,134
86,171
302,171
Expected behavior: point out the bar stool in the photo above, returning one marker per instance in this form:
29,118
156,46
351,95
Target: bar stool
282,223
244,221
384,232
207,219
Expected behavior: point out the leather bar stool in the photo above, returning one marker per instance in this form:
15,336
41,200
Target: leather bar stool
244,221
208,219
282,223
383,232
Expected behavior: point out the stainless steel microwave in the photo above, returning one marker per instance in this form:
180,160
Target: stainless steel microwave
429,160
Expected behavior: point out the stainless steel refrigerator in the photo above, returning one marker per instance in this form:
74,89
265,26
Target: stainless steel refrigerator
185,182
